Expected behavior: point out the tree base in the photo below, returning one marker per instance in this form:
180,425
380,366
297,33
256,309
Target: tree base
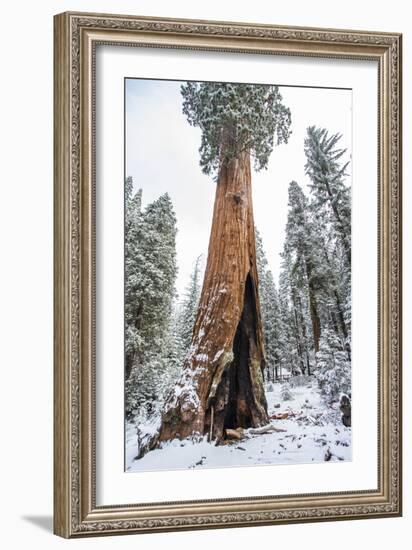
239,401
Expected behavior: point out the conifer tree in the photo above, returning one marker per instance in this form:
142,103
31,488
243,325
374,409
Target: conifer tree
302,241
333,367
188,308
221,385
271,319
295,310
328,189
150,273
134,262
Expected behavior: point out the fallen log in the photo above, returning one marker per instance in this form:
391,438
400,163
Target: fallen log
268,428
234,434
280,416
146,440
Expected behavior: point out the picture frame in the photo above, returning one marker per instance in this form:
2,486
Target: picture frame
77,511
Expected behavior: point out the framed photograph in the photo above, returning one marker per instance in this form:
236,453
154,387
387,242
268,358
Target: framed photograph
227,274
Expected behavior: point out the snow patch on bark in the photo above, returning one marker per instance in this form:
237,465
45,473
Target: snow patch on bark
224,363
218,354
185,393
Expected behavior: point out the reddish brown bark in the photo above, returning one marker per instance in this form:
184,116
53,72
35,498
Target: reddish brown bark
222,381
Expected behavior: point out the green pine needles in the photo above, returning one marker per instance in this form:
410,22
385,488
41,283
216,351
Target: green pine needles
235,118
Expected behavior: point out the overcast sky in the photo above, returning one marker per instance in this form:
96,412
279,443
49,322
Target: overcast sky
162,156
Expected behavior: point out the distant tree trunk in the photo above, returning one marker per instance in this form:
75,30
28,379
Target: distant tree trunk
345,238
128,364
342,323
132,358
298,326
315,320
222,381
339,309
305,350
313,306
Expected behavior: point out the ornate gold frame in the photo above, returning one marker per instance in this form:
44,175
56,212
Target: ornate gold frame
75,38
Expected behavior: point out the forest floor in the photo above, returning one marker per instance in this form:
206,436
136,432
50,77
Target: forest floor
310,432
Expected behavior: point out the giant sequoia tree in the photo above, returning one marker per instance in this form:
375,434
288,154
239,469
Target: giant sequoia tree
221,385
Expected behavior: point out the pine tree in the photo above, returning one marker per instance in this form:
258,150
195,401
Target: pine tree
296,308
150,273
331,208
336,292
303,245
286,392
188,308
328,188
290,337
317,277
333,367
271,318
134,261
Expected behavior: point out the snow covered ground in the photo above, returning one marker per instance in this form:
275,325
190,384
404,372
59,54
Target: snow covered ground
311,433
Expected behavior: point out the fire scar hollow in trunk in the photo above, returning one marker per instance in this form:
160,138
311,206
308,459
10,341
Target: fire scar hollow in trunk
222,380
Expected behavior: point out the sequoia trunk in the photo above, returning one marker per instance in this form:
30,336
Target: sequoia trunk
222,381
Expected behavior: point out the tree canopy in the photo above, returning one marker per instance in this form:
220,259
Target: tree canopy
236,118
